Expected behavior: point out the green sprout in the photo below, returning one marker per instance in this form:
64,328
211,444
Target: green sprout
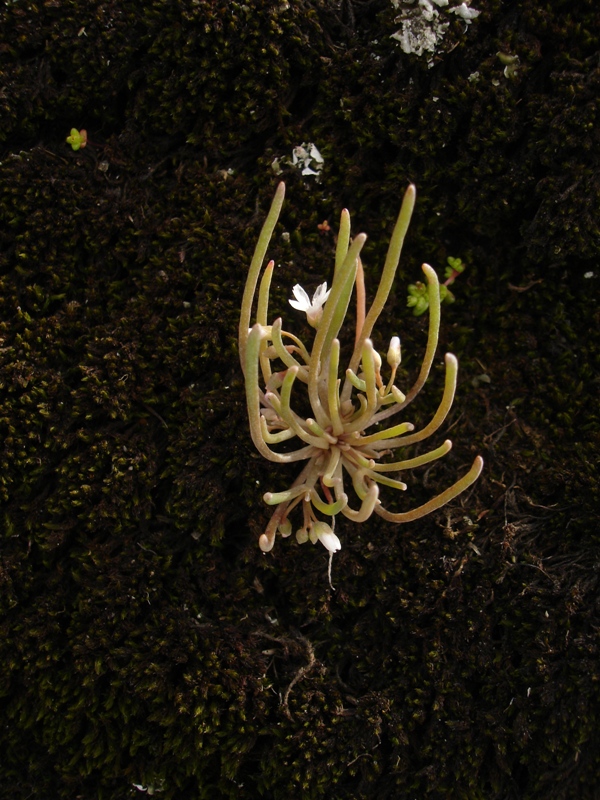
418,293
77,139
336,439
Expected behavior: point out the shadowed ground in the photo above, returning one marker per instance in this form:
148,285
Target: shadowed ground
144,637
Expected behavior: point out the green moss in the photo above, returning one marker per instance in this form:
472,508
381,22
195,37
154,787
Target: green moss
144,637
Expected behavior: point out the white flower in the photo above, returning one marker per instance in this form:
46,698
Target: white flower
314,308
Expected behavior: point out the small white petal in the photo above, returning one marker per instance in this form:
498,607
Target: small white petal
321,294
302,301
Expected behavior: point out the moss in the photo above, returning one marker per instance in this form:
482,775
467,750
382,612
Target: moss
144,638
198,71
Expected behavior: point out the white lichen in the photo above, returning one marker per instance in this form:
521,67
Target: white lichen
305,157
423,27
308,159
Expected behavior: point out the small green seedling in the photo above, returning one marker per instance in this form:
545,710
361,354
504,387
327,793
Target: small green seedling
418,293
77,139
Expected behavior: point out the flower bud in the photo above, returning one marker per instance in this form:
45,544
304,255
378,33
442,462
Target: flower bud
322,532
399,396
393,355
302,536
330,541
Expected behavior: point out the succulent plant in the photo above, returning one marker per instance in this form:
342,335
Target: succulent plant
345,435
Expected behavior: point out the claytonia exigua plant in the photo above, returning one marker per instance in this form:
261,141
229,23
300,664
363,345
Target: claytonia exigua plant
344,437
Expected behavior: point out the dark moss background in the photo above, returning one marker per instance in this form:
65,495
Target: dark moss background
144,637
